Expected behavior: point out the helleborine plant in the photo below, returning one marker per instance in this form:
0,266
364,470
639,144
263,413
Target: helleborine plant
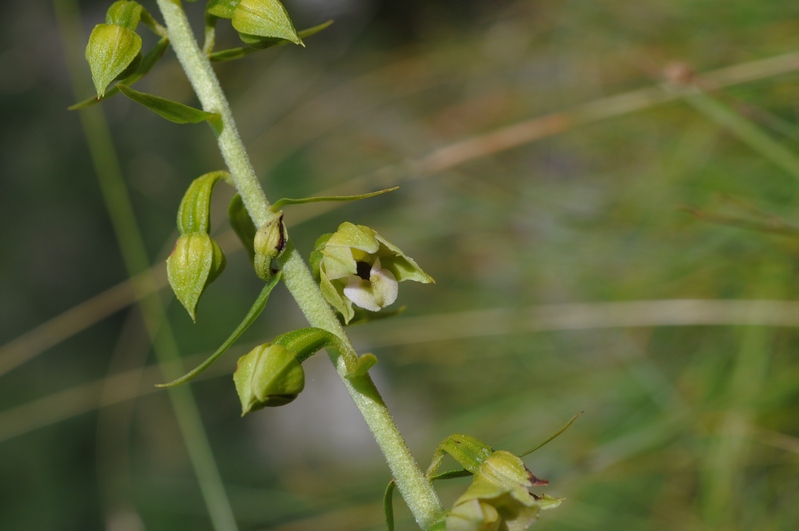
354,272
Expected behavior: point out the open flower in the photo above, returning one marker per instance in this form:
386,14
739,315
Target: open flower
357,266
498,499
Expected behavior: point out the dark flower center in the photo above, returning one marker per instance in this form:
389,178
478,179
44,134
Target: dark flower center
363,269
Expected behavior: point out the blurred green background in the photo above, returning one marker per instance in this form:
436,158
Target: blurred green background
539,236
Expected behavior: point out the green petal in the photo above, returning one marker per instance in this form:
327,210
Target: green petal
334,294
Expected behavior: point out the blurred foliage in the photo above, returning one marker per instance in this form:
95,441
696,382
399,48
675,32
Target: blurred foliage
689,427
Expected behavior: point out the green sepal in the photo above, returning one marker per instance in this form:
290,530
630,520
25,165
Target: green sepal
388,504
261,43
470,452
242,224
256,309
546,502
269,244
125,13
146,64
334,295
111,51
194,213
497,497
264,18
268,376
440,525
280,203
316,255
222,8
172,110
194,263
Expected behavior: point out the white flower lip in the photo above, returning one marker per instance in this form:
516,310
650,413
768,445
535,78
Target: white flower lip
374,294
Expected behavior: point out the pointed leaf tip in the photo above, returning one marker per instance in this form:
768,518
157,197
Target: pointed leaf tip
264,18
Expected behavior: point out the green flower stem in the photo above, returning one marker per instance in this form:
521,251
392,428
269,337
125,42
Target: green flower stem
414,487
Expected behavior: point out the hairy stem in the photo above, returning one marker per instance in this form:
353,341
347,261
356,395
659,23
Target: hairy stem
414,487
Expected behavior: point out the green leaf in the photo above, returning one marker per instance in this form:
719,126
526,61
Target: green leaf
556,434
110,51
194,213
451,474
146,64
242,224
256,309
222,8
124,13
230,54
365,362
322,198
388,505
256,43
170,110
308,341
313,30
264,18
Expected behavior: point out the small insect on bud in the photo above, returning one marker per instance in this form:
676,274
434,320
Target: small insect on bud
269,243
268,376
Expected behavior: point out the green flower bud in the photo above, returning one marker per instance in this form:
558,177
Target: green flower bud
269,243
111,52
196,260
498,498
358,266
194,263
268,376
